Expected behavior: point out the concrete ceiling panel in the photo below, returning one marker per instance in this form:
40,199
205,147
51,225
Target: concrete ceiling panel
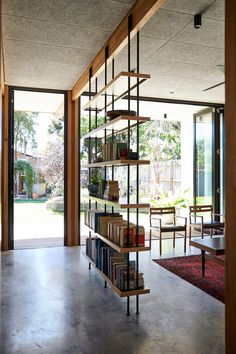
211,34
216,10
35,31
187,6
44,53
183,70
188,90
165,24
190,53
103,14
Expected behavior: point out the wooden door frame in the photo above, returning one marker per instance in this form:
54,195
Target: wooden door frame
230,175
70,235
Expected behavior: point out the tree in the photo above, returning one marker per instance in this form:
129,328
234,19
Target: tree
56,127
160,141
24,131
26,169
53,166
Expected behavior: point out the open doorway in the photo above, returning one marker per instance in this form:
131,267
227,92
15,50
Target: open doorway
38,165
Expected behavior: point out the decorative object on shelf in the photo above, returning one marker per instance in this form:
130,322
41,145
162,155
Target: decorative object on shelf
111,191
120,112
94,186
132,155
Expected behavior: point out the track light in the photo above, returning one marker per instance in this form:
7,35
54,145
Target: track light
197,21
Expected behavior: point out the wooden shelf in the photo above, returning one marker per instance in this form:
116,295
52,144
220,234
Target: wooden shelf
118,291
117,124
121,249
123,162
117,87
115,204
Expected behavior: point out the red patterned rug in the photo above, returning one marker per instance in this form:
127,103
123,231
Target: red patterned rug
189,268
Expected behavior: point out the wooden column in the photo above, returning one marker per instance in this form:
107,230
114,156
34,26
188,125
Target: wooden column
230,140
72,172
5,177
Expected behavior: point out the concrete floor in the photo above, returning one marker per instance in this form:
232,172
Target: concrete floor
52,304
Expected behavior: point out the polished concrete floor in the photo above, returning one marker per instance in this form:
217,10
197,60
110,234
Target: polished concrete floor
52,304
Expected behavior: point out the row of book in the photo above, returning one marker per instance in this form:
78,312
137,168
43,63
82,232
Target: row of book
113,151
115,228
114,265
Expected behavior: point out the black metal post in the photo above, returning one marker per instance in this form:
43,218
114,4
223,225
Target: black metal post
137,183
128,167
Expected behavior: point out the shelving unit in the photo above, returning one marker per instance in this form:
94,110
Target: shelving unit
118,205
120,86
123,162
122,249
115,125
116,89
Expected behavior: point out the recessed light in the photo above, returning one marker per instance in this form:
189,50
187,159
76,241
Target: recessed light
197,21
171,92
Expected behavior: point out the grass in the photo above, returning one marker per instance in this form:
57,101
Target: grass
34,211
31,201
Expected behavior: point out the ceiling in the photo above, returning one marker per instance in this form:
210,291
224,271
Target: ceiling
49,43
38,101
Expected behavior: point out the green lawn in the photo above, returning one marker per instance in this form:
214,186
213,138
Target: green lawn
32,219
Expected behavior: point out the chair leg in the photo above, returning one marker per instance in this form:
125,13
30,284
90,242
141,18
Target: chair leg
202,231
160,244
190,232
211,233
185,237
150,238
174,240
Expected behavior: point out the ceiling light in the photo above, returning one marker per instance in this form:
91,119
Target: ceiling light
197,21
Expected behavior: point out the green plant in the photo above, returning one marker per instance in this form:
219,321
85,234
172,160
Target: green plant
96,176
26,169
180,199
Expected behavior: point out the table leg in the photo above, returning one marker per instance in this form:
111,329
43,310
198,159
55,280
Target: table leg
203,263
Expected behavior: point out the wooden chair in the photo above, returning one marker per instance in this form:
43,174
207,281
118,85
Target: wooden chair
199,221
157,224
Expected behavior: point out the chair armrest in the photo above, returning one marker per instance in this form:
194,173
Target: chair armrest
195,216
219,214
155,218
181,217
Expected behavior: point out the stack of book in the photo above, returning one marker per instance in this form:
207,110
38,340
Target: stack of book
114,265
111,191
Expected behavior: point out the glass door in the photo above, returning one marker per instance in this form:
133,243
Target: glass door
209,158
203,157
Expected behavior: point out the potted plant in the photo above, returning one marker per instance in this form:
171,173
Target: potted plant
94,181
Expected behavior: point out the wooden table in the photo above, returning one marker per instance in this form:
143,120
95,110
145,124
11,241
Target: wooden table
214,247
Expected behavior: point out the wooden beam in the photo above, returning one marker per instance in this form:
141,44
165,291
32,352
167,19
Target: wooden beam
5,246
72,174
141,12
230,169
